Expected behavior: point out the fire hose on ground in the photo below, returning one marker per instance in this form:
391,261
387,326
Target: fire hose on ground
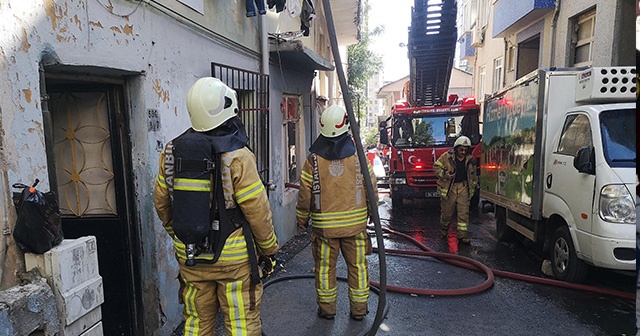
477,266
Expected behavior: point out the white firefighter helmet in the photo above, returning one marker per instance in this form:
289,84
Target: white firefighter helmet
462,141
334,121
210,103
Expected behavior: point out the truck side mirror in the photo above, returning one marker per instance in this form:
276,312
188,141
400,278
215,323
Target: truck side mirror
384,138
584,160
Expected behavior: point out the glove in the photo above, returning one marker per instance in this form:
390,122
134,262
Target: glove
267,264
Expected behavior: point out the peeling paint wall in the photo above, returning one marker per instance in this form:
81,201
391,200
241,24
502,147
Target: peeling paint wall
165,53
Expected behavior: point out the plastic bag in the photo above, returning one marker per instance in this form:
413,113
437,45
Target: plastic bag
38,227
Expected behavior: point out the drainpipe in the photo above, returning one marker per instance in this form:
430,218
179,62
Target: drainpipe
264,44
554,25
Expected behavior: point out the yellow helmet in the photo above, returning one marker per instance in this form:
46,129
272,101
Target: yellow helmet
210,103
462,141
334,121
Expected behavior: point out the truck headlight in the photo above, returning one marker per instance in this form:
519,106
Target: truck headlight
617,205
399,180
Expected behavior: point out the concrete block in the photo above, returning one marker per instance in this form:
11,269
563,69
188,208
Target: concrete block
96,330
83,323
27,309
71,269
82,299
71,263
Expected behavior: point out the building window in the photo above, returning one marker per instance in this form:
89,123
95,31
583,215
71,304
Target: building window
497,74
582,39
481,79
291,111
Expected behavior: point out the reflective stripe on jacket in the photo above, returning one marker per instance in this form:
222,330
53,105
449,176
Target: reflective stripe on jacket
332,193
242,187
446,163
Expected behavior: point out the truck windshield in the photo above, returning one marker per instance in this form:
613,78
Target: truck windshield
411,131
618,129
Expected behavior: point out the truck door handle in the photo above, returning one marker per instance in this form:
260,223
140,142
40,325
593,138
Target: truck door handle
549,180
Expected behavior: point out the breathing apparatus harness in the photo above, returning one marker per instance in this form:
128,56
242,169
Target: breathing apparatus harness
201,222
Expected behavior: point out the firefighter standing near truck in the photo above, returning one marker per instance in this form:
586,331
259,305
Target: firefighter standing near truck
214,206
332,193
457,180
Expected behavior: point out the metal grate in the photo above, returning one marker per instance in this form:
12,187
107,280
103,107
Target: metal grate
253,101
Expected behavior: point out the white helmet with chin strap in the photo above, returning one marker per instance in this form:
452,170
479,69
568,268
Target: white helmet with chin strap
462,141
334,121
210,103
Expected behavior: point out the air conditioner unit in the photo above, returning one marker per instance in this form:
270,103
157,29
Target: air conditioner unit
477,37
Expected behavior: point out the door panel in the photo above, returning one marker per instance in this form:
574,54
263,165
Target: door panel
91,187
565,179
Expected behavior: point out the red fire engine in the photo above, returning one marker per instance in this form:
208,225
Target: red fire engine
419,135
421,129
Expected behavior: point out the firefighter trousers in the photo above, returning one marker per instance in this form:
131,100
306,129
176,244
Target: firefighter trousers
325,255
205,289
457,200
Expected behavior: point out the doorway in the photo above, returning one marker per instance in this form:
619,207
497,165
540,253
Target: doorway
90,167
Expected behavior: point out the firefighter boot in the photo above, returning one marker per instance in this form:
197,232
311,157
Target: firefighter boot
325,316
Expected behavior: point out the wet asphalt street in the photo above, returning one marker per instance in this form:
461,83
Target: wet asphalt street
507,307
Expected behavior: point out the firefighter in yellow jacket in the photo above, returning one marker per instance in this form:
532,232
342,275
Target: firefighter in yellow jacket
332,193
457,180
214,206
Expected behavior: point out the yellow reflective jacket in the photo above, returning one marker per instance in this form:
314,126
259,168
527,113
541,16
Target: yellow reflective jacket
446,163
242,187
332,193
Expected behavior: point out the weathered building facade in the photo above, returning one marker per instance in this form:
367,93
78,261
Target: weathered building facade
511,38
93,89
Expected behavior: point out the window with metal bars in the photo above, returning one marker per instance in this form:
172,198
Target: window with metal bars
253,103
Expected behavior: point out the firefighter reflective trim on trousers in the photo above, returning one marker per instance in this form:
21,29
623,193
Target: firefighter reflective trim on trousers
161,182
192,324
462,226
249,192
306,176
237,315
339,219
361,262
358,295
185,184
325,293
268,244
302,214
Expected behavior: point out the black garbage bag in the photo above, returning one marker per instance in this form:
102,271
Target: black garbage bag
38,227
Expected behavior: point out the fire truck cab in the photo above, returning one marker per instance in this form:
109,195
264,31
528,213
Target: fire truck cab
417,136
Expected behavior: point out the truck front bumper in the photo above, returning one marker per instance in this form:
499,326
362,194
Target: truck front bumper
405,191
612,253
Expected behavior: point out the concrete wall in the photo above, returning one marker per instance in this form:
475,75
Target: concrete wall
162,55
612,43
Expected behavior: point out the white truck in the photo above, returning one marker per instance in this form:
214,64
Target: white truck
558,164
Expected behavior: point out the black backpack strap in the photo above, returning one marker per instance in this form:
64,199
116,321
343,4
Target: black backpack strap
225,223
251,249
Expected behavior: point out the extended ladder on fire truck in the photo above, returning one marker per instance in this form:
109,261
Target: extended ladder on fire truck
432,44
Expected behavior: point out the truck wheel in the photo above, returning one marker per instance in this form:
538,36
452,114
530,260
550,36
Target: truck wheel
503,232
564,262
